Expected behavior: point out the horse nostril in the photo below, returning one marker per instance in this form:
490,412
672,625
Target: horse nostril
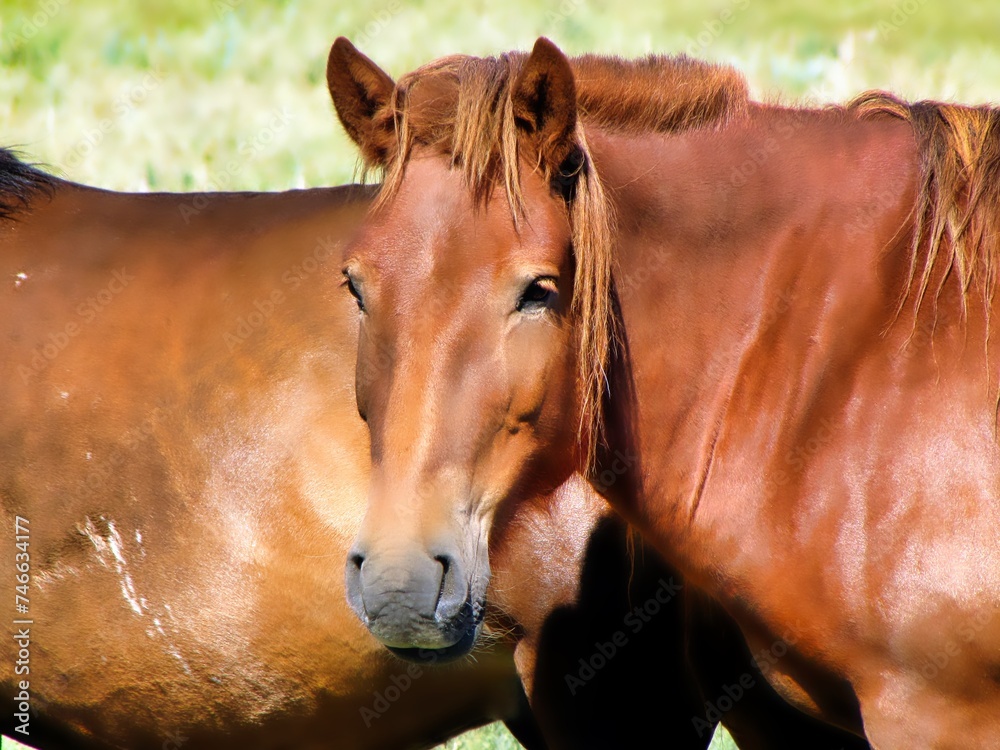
452,591
445,561
353,584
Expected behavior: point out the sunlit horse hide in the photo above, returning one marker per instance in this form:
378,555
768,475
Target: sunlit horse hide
783,319
181,433
179,429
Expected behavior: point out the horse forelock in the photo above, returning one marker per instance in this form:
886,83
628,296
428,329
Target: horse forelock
458,106
19,183
462,107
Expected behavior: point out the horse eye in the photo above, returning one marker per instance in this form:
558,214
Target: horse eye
539,295
354,291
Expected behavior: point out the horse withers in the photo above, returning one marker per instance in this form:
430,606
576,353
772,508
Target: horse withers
776,323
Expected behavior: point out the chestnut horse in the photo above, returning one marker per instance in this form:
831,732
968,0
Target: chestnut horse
770,326
180,433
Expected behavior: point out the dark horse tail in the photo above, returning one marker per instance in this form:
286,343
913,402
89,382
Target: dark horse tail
19,183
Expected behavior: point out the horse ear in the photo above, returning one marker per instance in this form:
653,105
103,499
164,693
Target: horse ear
360,91
544,99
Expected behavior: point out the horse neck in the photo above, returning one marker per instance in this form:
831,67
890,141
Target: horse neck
738,251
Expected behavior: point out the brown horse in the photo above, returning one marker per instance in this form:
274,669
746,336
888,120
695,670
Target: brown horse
181,433
770,327
179,430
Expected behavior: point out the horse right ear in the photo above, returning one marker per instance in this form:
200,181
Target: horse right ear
361,91
544,101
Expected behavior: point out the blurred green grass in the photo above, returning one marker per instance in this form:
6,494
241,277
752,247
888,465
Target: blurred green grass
496,737
490,737
212,94
227,94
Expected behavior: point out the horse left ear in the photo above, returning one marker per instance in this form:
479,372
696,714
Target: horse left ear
544,100
361,91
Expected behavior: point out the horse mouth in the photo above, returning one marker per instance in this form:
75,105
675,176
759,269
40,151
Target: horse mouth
439,655
471,616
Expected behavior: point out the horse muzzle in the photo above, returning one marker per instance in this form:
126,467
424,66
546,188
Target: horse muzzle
420,605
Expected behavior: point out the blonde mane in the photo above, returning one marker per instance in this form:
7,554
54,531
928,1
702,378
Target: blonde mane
957,210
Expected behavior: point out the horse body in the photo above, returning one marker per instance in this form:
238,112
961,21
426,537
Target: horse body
852,546
179,429
779,357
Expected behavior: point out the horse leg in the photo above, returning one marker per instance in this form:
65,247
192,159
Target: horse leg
736,691
523,725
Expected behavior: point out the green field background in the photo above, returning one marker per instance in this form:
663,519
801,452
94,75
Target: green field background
230,94
209,94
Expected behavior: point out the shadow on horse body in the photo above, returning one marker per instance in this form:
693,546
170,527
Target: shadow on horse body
615,649
773,327
181,433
